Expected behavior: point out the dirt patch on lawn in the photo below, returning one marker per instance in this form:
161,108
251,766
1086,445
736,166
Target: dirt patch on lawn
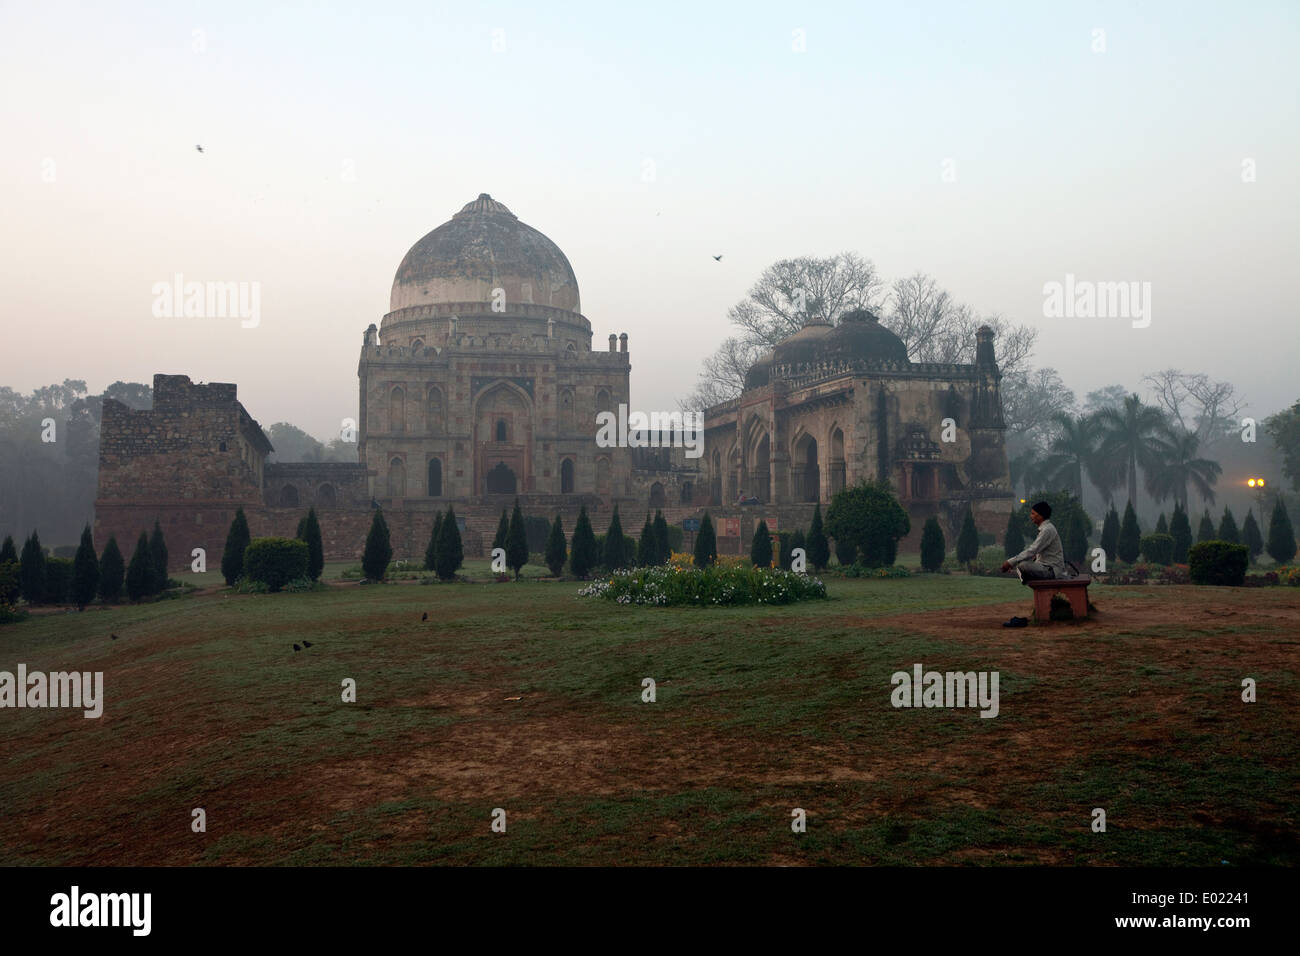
525,755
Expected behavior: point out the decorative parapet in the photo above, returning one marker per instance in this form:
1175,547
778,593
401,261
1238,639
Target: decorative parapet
802,374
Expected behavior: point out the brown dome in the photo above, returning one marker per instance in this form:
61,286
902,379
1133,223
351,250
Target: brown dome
481,248
858,336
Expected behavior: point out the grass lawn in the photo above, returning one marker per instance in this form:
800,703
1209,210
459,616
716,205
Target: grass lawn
758,711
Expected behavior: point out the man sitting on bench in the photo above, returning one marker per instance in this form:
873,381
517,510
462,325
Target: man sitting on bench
1044,558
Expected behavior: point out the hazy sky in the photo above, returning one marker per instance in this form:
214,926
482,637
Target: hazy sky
1119,165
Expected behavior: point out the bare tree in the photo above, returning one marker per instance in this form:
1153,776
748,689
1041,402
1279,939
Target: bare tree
1031,400
1109,396
937,328
723,376
1195,403
793,291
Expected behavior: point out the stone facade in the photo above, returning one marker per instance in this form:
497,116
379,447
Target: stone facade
841,405
481,384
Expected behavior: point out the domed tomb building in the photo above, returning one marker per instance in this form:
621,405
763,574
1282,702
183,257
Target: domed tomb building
481,380
832,405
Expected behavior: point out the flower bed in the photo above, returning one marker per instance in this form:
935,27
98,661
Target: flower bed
861,571
667,585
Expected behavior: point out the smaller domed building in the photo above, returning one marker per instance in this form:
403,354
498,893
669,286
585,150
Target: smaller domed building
832,405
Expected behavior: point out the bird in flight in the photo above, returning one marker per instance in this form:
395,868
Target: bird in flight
717,258
199,148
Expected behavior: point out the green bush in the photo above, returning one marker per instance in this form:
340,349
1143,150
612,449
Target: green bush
58,580
85,571
1130,537
583,555
1251,536
784,545
451,549
760,549
9,588
232,558
614,552
670,537
556,548
315,548
647,546
968,539
1219,563
1158,548
819,553
31,570
1110,534
1180,529
517,544
933,546
276,561
667,586
706,544
157,560
112,572
298,585
1228,528
431,549
1013,540
868,517
1281,536
379,549
537,530
139,573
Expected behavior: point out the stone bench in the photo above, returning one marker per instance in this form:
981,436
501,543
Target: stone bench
1074,589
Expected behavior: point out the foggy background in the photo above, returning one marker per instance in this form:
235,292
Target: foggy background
993,148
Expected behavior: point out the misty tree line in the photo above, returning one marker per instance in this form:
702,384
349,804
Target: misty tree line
1169,443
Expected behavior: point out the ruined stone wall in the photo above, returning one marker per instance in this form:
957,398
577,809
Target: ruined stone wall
188,463
306,484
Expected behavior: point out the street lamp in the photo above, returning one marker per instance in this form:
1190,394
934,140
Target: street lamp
1257,484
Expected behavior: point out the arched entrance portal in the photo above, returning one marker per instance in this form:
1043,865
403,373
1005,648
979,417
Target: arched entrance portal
503,440
501,480
806,470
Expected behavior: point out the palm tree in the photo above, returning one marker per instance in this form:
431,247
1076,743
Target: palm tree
1027,467
1132,439
1180,467
1074,453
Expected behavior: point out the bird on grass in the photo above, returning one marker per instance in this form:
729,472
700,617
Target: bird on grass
112,637
424,616
306,643
296,647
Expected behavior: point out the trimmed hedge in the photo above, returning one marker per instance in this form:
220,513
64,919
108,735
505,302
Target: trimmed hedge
1158,548
1218,563
58,580
275,561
